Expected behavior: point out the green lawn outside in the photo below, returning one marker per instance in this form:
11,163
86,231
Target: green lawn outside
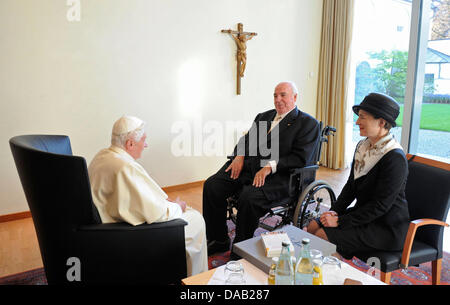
433,117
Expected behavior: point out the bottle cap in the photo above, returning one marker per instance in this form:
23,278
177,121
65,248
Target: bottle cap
285,244
275,259
305,241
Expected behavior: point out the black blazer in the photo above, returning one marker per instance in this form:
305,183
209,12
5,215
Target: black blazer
297,136
380,215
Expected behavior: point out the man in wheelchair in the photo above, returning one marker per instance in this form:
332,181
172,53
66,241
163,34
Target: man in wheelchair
260,175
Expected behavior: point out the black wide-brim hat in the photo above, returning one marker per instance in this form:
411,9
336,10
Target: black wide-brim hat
380,106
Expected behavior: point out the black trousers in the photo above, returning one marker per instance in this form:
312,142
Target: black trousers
252,205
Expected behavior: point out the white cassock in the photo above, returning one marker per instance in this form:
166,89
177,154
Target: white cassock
123,191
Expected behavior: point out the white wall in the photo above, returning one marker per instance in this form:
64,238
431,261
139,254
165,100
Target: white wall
165,61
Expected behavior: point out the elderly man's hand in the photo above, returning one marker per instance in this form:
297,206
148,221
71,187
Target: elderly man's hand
236,167
260,177
180,202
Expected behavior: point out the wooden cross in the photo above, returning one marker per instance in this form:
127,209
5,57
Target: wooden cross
241,38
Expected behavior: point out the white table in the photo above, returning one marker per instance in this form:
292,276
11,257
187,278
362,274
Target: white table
253,249
255,276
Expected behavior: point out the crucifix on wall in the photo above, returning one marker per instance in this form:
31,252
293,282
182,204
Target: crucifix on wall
241,38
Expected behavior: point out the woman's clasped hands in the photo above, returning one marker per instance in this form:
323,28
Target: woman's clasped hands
329,219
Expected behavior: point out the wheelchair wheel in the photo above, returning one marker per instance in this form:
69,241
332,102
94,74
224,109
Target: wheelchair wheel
315,199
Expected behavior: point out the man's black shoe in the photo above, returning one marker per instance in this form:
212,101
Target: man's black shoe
218,246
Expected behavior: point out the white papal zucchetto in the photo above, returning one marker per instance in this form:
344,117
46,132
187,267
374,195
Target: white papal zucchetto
127,124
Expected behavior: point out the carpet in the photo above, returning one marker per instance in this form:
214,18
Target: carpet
31,277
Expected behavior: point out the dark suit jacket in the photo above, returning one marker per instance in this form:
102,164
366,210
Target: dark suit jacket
380,215
292,143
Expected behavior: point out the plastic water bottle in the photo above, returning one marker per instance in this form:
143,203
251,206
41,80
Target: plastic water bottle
285,269
304,268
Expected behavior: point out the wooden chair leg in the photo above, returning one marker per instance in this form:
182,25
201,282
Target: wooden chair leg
436,267
385,277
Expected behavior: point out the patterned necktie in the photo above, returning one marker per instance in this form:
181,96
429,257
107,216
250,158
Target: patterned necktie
275,122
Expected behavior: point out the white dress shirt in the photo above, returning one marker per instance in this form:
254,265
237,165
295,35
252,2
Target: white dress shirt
278,118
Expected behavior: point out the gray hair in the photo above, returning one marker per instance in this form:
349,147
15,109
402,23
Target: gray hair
121,139
293,86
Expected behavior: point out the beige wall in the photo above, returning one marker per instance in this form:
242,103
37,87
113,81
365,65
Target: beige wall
165,61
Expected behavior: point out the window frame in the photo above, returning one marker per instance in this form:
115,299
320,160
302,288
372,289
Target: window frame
418,43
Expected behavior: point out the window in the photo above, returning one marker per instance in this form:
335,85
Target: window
429,116
379,62
402,48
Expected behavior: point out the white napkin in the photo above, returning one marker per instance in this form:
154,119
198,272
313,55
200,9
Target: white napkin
350,272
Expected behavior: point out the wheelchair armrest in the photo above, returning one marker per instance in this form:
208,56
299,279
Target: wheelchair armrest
301,174
413,226
301,170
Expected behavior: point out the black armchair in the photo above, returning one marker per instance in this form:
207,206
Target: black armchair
57,189
428,195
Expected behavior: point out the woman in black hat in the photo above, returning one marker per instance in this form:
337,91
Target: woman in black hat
379,219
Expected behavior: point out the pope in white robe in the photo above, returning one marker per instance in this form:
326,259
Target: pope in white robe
122,190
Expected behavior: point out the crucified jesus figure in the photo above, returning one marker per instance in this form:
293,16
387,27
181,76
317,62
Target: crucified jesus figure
241,39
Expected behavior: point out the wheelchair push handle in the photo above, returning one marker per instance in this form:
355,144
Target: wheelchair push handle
324,134
328,130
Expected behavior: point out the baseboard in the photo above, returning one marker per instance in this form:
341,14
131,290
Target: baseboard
182,187
15,216
173,188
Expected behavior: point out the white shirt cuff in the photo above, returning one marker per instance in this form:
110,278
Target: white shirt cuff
173,210
273,165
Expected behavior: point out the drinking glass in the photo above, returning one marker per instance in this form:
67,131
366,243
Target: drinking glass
331,271
316,257
234,273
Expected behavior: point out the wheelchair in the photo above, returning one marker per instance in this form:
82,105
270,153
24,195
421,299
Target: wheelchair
307,200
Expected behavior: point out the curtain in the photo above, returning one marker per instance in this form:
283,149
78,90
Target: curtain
334,70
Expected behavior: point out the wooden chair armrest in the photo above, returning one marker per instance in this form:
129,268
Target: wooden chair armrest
413,226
